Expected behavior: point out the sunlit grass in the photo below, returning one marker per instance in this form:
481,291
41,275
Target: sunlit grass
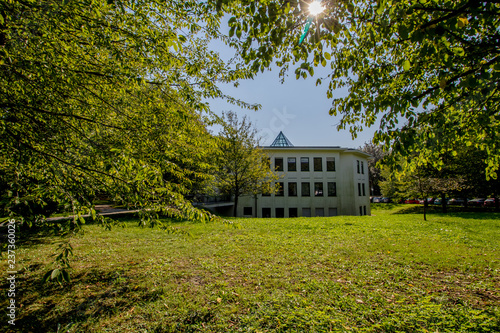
383,273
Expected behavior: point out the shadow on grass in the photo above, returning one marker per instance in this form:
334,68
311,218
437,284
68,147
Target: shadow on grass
456,211
97,293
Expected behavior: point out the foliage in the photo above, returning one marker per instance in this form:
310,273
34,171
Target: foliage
388,272
105,98
243,168
377,154
462,175
431,64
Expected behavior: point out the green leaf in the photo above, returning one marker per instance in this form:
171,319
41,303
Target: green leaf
55,273
406,65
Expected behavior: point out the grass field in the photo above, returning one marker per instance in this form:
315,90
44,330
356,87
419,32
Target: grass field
389,272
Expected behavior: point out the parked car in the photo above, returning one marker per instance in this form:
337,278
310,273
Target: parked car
430,201
438,201
456,201
490,202
476,202
411,201
386,200
377,199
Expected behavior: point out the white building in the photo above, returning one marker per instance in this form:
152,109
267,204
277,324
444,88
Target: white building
315,181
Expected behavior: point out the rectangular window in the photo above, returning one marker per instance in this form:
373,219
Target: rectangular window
292,212
292,164
359,189
306,212
358,165
281,190
332,189
319,212
364,192
304,164
278,164
266,212
318,164
247,211
360,210
306,190
332,211
292,189
318,189
364,210
362,167
280,212
330,164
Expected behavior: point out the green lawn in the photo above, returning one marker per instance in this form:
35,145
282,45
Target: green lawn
383,273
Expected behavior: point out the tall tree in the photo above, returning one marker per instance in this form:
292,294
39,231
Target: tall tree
243,168
433,63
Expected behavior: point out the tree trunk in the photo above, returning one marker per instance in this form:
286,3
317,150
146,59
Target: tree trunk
235,205
443,202
425,209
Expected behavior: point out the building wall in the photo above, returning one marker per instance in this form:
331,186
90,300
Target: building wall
346,177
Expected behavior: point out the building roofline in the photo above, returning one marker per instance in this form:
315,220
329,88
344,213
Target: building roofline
337,148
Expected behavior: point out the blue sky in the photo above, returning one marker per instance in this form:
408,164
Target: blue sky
299,108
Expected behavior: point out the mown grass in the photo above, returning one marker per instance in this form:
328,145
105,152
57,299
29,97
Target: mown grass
383,273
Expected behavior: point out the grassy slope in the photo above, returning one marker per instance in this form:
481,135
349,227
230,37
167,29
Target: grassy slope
381,273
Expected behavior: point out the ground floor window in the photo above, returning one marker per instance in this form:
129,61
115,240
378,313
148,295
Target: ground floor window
319,212
306,212
266,212
292,212
247,210
280,212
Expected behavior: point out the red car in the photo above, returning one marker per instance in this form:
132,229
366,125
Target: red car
411,201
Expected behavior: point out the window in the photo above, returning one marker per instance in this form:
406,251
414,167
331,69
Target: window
292,212
332,189
281,190
292,189
359,189
280,212
318,189
266,212
360,210
292,164
306,212
318,164
304,164
364,192
358,165
364,210
306,189
319,212
330,164
247,210
362,167
332,211
278,164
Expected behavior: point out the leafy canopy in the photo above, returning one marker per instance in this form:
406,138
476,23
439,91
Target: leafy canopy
427,71
107,98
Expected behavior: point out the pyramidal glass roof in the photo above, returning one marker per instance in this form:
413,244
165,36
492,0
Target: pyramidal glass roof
281,141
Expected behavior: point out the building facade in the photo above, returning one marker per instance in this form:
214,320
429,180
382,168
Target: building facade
314,181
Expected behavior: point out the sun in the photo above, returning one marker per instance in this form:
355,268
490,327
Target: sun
315,8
